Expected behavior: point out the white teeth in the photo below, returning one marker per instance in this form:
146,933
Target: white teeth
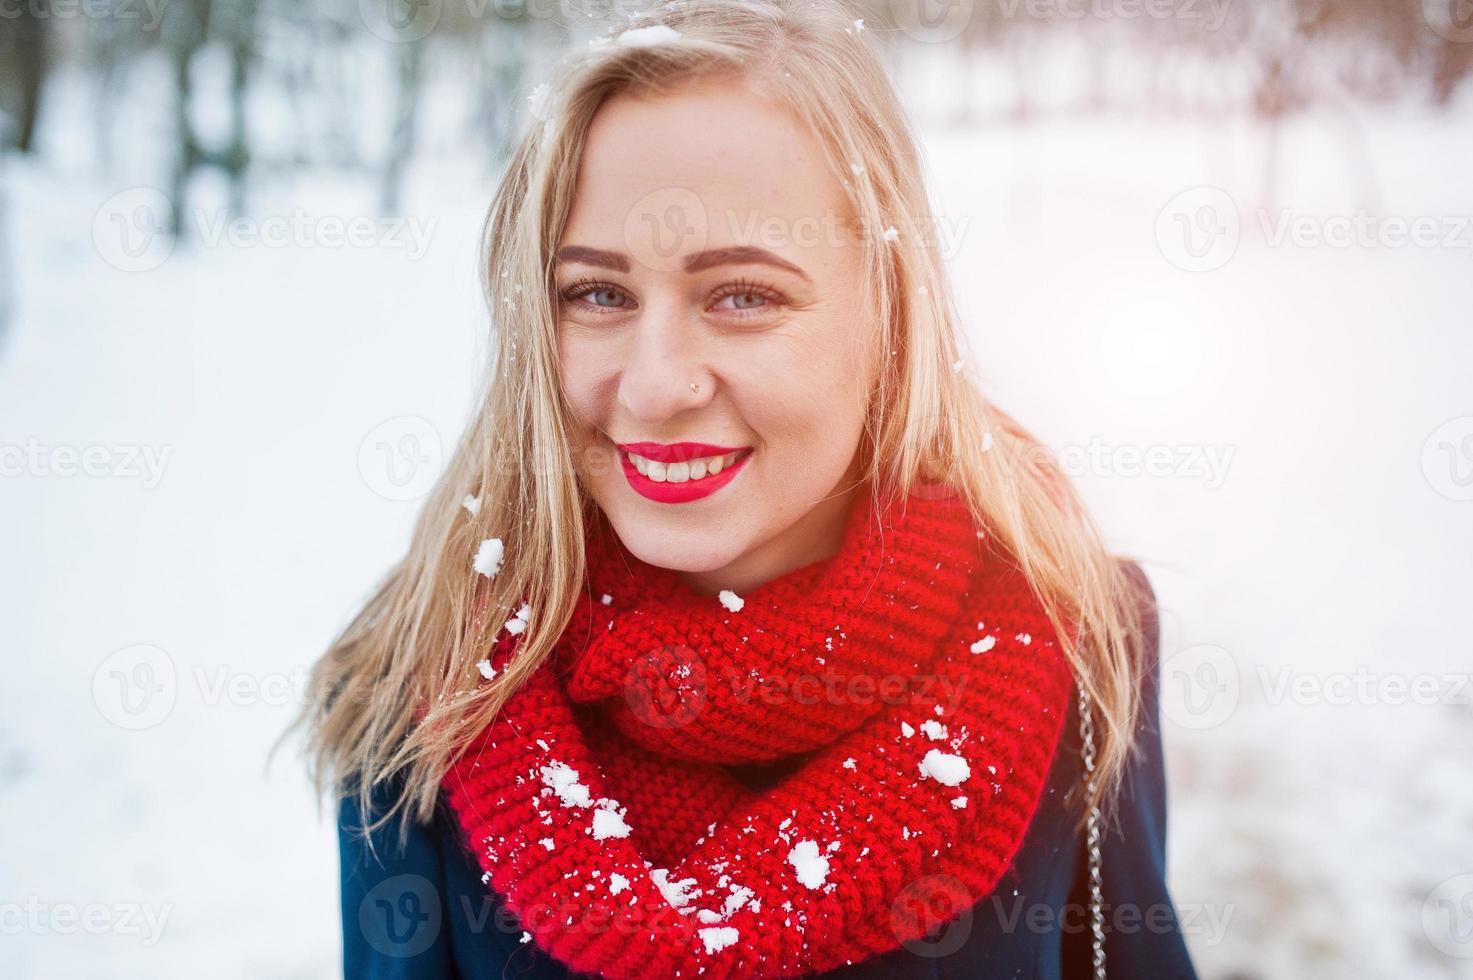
695,469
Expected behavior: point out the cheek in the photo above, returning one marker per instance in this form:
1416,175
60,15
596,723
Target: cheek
809,403
582,376
579,375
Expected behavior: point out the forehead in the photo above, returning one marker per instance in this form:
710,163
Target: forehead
717,158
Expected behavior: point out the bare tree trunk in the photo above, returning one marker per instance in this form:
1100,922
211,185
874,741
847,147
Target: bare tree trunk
406,111
1452,63
236,156
30,27
7,265
185,28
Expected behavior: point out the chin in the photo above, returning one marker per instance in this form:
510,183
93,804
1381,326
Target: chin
674,552
655,542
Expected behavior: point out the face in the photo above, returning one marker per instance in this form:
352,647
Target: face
708,245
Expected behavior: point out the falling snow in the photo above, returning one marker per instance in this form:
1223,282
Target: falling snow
731,600
809,863
608,823
677,893
563,780
945,767
643,37
488,557
518,623
718,937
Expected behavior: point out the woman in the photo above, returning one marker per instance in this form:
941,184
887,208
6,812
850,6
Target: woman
742,636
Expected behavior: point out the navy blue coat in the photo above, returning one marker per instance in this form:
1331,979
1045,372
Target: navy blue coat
423,913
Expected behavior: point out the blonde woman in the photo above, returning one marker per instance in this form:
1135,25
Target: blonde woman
742,637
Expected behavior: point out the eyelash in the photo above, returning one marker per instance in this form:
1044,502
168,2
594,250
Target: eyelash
740,287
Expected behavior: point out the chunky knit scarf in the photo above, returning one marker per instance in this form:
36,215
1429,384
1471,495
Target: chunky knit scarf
917,670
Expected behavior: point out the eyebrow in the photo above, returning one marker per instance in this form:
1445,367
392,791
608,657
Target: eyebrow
698,262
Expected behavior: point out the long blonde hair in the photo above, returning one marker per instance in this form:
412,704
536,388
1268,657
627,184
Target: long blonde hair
397,695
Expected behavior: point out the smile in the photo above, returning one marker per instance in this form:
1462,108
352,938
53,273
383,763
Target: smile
680,472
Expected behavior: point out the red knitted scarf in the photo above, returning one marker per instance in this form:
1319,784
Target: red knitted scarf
916,667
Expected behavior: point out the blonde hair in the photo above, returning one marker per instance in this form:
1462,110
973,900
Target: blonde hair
397,695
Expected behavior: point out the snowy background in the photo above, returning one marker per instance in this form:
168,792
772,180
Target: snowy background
1225,274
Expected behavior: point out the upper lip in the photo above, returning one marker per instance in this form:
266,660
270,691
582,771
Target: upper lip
676,452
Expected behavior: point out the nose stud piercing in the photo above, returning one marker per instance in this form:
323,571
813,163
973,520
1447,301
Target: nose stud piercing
694,386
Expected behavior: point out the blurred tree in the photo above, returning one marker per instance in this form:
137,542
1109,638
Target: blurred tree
187,26
409,59
8,277
23,65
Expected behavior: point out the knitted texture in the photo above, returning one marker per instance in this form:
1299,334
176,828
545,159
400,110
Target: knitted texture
916,668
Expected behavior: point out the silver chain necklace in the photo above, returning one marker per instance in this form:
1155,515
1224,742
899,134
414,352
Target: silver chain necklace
1092,836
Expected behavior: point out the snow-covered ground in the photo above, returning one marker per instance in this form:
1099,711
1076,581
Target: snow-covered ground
212,453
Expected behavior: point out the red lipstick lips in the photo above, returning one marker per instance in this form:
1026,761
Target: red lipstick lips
678,452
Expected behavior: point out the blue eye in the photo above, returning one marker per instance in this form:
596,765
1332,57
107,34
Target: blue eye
745,296
750,297
595,294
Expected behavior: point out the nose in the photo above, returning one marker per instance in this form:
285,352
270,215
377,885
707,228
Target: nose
667,353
